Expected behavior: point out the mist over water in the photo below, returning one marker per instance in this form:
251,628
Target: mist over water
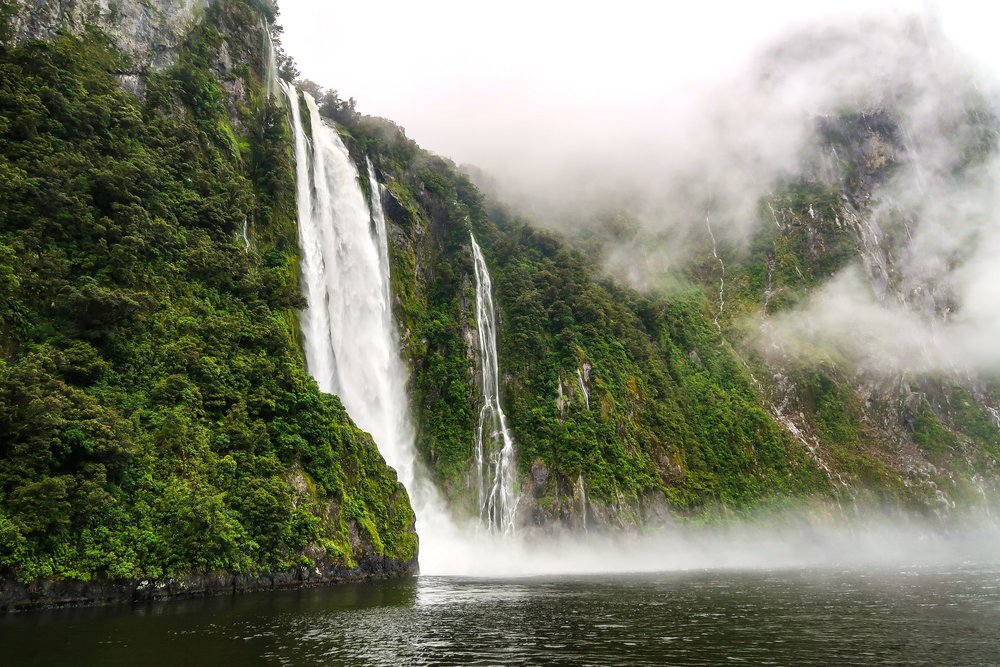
782,541
705,170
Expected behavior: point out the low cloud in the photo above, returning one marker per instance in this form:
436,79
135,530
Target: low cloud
924,295
638,128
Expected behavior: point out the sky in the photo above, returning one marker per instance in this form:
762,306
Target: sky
683,117
478,81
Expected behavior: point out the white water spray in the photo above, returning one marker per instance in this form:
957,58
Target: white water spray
496,464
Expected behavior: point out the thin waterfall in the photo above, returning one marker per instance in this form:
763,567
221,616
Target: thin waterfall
245,236
351,343
583,388
581,496
722,277
272,84
378,223
274,87
495,458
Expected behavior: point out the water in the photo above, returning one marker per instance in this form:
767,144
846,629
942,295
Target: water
496,462
583,388
894,616
272,83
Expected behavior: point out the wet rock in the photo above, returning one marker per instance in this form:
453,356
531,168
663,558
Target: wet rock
50,594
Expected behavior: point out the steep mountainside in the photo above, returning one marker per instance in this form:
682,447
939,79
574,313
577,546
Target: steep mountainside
159,432
157,423
631,408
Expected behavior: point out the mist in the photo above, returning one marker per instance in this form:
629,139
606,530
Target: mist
790,540
641,127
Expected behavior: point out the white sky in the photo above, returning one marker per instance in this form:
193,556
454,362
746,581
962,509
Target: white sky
474,80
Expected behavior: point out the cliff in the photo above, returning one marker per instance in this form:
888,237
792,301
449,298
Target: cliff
159,433
636,408
148,34
157,425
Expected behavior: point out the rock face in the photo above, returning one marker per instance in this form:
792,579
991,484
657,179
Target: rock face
148,32
51,594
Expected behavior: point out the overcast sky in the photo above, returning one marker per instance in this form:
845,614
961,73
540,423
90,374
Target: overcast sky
684,117
474,80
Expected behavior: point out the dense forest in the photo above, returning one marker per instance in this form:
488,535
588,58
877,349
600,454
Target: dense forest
632,408
156,418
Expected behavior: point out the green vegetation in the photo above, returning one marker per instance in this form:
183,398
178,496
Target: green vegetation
156,418
155,415
682,412
673,413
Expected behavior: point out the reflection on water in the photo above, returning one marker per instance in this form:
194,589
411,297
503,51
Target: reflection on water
920,616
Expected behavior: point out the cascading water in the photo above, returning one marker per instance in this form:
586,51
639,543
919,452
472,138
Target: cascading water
272,84
580,495
583,388
495,458
351,342
381,235
722,265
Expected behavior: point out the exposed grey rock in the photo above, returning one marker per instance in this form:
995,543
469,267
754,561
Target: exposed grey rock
148,32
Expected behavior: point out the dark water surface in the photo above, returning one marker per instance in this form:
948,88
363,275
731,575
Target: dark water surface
889,616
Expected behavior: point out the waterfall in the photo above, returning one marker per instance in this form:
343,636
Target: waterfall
245,237
272,84
581,494
352,346
350,339
583,388
995,414
495,459
722,277
381,235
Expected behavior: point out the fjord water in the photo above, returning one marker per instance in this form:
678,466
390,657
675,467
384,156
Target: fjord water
865,616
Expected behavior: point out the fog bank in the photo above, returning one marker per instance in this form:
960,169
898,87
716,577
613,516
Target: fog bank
774,543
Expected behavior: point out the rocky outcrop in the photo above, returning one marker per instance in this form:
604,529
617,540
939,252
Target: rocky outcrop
148,32
51,594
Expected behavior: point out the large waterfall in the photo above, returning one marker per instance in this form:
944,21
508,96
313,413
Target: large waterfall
351,341
352,346
495,460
